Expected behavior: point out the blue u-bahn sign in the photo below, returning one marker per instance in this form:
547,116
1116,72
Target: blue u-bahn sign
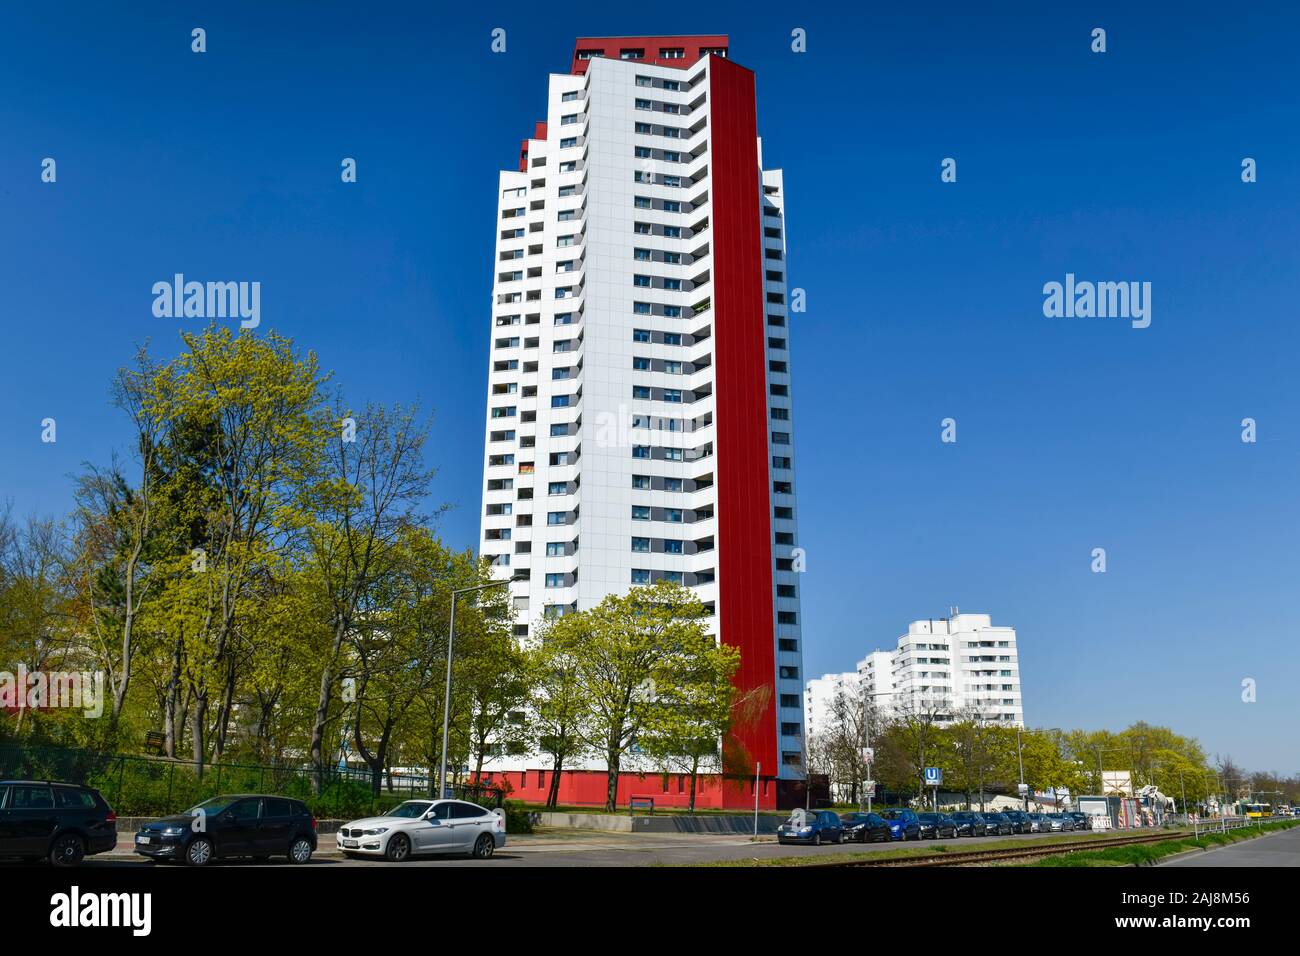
933,777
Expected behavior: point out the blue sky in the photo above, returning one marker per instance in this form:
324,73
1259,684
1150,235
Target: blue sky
924,298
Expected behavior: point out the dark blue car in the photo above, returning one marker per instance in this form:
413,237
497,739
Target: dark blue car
904,824
811,826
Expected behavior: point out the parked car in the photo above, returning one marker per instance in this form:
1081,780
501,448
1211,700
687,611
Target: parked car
1038,822
968,824
59,822
1000,822
865,828
233,825
425,826
904,824
1019,820
814,827
1059,822
1081,820
935,826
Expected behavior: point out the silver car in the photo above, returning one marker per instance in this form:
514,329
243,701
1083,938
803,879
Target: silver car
425,827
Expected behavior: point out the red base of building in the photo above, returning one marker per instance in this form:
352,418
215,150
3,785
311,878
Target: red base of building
712,791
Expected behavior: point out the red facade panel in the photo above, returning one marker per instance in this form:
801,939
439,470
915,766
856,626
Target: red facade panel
611,48
739,332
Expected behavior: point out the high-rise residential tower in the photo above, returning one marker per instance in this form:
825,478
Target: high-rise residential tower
639,419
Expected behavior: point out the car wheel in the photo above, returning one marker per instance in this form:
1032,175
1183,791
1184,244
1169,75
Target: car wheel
67,850
300,851
199,852
484,847
398,849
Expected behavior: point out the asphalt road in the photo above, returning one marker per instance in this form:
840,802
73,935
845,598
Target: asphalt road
1276,849
590,848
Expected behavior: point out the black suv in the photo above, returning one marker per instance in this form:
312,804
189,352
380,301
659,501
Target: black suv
59,822
227,826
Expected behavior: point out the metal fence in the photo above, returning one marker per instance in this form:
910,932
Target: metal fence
138,785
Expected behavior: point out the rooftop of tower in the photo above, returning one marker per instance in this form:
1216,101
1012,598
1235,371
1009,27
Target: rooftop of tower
682,51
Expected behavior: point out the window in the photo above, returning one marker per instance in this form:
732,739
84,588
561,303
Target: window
672,53
672,156
569,120
640,512
644,105
560,401
642,202
781,414
644,128
642,229
640,451
672,484
641,391
558,431
555,580
641,482
672,180
555,517
789,673
644,81
673,285
786,617
569,97
673,311
642,255
673,368
641,335
558,488
640,364
674,454
672,338
673,515
672,546
780,438
637,54
555,549
790,700
673,258
672,85
673,395
640,576
641,544
672,232
641,308
563,318
568,142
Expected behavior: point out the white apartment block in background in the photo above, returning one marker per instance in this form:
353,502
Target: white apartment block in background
819,699
948,668
639,416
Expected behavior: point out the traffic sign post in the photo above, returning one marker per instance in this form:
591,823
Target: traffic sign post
934,779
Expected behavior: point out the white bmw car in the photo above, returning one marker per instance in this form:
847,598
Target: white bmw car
425,827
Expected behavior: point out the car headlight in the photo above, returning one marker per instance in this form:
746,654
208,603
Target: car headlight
173,831
806,830
375,831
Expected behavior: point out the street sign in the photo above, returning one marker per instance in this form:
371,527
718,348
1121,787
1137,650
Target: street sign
1022,789
869,787
933,777
868,754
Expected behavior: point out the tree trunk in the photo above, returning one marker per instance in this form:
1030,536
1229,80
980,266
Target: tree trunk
323,708
553,793
169,710
197,736
611,780
695,770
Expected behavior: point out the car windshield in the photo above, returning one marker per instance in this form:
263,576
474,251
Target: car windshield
854,818
411,809
800,818
929,817
893,814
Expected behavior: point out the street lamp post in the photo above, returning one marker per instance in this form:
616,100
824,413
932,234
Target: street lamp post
446,699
